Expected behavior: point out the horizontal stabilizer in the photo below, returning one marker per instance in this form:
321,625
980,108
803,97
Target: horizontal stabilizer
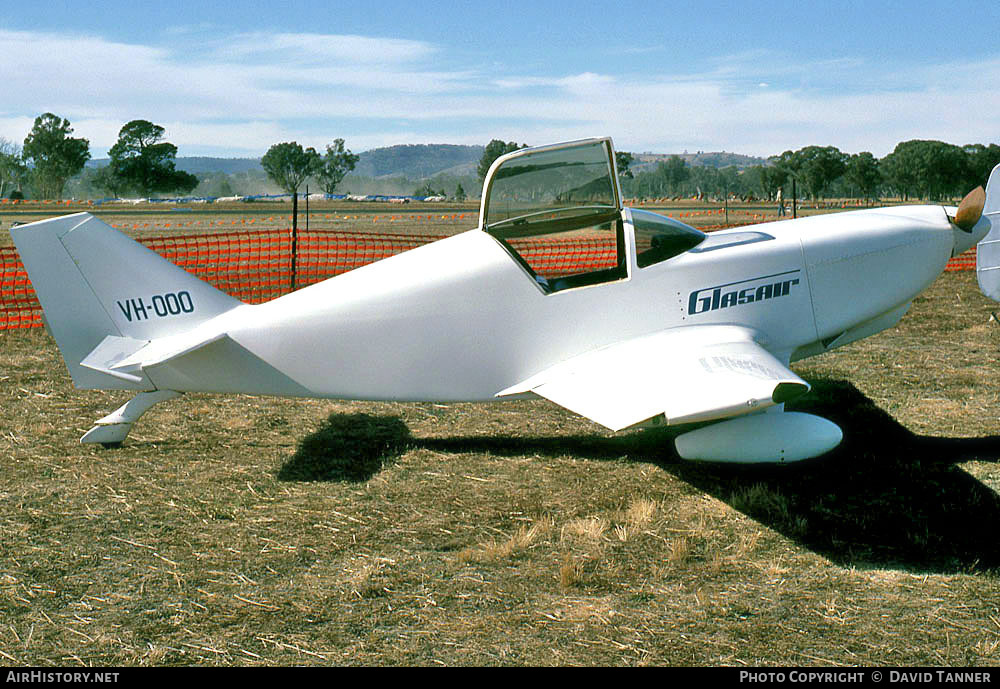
126,358
109,354
202,360
696,373
166,349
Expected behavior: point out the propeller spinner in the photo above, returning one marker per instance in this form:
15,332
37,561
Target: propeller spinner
970,209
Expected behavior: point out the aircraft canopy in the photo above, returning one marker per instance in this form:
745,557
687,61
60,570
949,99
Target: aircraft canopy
564,187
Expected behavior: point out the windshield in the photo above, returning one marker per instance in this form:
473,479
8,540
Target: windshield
658,237
568,185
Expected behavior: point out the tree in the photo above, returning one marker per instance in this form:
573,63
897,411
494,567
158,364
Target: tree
427,190
142,162
863,172
815,166
900,170
622,161
933,169
52,155
981,161
289,165
706,180
729,179
217,184
674,172
786,164
944,170
332,167
460,193
772,178
12,168
105,179
494,150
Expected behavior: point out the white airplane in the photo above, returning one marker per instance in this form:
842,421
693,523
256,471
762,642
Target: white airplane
675,327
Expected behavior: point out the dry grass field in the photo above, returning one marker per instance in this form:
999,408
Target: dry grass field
154,220
413,218
258,531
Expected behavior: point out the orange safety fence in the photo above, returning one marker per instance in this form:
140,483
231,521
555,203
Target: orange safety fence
256,266
18,306
966,261
553,258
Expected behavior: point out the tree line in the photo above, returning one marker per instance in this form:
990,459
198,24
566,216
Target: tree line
141,162
914,169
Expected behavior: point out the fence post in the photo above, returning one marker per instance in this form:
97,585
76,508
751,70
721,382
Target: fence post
295,232
727,202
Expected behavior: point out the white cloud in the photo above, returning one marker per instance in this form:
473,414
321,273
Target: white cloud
307,48
243,92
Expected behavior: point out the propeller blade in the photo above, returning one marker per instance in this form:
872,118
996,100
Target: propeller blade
970,209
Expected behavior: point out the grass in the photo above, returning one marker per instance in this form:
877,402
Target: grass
156,220
258,531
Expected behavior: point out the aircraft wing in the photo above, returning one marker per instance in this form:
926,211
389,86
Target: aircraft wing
694,373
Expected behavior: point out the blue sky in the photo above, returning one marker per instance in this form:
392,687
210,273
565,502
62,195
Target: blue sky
231,79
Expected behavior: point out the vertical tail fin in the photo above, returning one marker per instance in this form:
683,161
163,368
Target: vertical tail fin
94,282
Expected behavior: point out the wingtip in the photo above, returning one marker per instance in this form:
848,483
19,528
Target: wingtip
788,391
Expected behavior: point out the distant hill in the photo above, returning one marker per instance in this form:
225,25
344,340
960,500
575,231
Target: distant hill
414,161
418,161
449,163
230,166
649,161
203,165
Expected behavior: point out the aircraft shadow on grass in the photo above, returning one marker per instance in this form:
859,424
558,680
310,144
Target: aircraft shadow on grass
885,498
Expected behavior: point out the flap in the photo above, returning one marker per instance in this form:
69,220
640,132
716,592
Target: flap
694,373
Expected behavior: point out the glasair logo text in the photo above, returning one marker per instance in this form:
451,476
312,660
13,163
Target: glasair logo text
733,294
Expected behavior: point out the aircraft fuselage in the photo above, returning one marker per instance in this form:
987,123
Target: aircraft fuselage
461,319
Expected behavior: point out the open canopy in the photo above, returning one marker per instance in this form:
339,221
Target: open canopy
562,187
563,199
